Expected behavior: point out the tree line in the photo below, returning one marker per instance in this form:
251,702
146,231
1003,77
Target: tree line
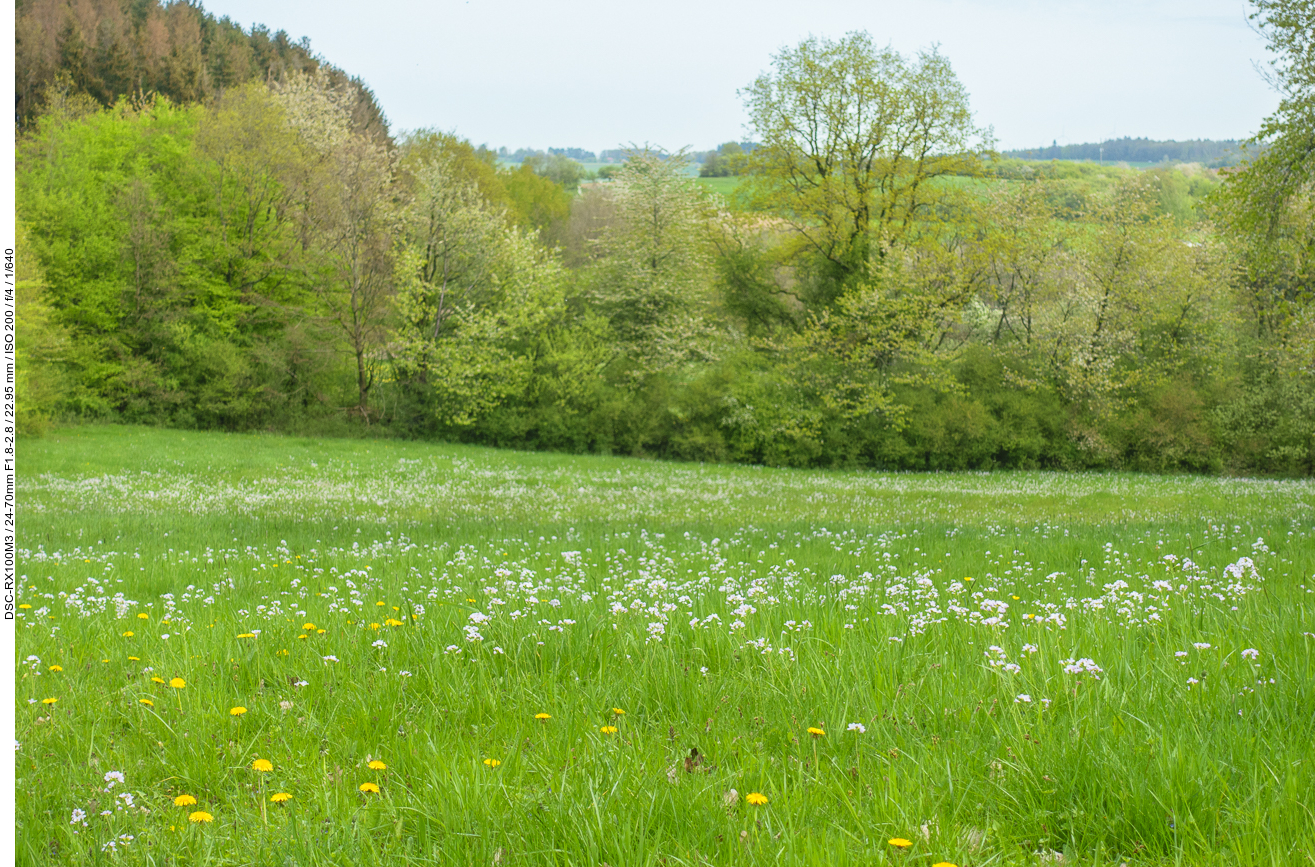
883,290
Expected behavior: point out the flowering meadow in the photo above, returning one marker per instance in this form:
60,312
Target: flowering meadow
257,650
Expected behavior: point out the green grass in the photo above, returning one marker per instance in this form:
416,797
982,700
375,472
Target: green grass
213,536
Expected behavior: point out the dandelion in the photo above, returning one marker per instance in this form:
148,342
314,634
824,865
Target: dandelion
134,659
492,763
184,801
280,797
815,732
543,716
56,668
368,787
756,798
377,765
247,635
49,700
943,864
308,626
237,711
157,680
200,816
608,730
178,683
392,622
900,842
618,711
146,701
128,634
262,765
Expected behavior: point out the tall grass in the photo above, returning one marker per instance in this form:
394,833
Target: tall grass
1054,707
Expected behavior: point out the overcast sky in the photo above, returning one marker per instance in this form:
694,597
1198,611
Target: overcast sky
602,75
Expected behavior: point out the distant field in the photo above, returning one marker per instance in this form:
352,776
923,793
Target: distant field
589,660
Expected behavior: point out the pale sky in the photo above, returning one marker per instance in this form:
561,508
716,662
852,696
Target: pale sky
603,75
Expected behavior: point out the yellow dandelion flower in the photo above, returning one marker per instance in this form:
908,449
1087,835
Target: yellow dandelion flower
815,732
368,787
282,653
128,634
200,816
49,700
608,730
319,632
543,716
25,606
944,864
237,711
280,797
374,625
178,683
756,798
247,635
302,637
262,765
618,711
900,842
146,701
377,765
134,659
392,621
308,626
184,801
143,616
56,668
492,763
157,680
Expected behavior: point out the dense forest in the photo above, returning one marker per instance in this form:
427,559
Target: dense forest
218,230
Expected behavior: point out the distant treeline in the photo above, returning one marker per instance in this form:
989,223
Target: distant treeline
1213,154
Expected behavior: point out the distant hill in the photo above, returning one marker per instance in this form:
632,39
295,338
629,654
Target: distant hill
112,48
1140,150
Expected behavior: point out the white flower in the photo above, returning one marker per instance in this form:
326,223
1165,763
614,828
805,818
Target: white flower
404,674
1023,697
856,727
1201,645
78,816
379,643
301,683
330,658
1250,653
1192,680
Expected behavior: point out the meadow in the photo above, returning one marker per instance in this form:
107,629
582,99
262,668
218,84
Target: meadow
265,650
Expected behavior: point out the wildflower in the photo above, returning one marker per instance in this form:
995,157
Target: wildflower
134,659
543,716
146,701
25,606
237,711
756,798
618,711
815,732
492,763
608,730
184,801
404,674
900,842
377,765
308,626
1191,681
77,816
1023,697
302,683
178,683
943,864
200,816
857,727
1250,653
247,635
262,765
56,668
280,797
157,680
330,658
381,605
369,787
128,634
1201,645
392,622
49,700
